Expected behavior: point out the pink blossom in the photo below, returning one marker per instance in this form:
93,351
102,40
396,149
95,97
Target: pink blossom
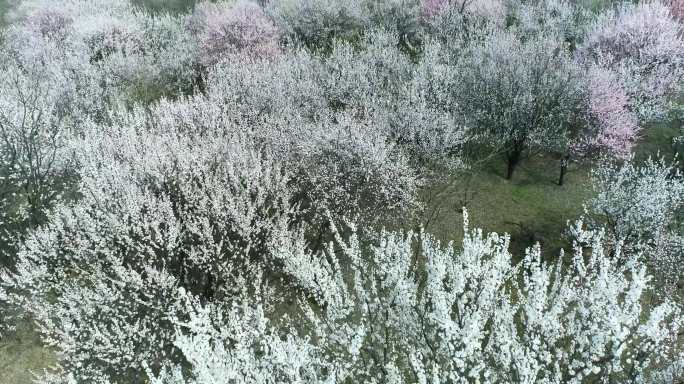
677,9
49,22
638,32
616,125
643,44
431,8
243,29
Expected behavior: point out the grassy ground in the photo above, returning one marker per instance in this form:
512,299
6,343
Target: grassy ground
22,355
4,6
171,6
531,207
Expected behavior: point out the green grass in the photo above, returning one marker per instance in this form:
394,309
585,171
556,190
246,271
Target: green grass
161,6
531,207
4,7
22,355
657,138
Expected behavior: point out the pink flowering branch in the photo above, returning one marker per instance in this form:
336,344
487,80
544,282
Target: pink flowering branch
243,29
643,44
609,107
677,9
432,8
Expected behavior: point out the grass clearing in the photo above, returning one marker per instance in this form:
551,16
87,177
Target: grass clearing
4,7
22,355
531,207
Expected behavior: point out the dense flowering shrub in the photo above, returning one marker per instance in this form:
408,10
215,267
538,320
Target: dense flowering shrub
162,206
528,51
227,354
354,116
462,315
236,29
566,19
640,205
38,110
317,23
342,159
493,9
402,99
204,242
431,8
49,22
644,45
671,373
130,51
399,16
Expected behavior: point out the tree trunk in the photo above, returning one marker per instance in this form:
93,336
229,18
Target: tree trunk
209,287
513,160
563,169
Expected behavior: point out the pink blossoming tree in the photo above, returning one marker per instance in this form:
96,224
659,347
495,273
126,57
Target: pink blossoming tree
677,9
615,126
240,29
643,44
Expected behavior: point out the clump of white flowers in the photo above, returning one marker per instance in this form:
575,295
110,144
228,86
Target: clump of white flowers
117,45
36,121
407,309
186,219
640,206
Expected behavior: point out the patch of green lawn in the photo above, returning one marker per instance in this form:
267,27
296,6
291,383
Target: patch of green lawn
22,356
4,7
531,207
657,138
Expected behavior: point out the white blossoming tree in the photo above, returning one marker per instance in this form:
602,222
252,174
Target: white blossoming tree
641,206
522,96
231,185
408,310
35,119
161,206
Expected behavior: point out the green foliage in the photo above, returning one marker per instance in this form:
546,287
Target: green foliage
4,7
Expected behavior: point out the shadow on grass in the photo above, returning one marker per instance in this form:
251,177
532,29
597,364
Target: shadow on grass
531,207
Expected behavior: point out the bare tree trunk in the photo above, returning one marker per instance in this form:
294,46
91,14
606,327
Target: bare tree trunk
209,287
513,159
563,169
